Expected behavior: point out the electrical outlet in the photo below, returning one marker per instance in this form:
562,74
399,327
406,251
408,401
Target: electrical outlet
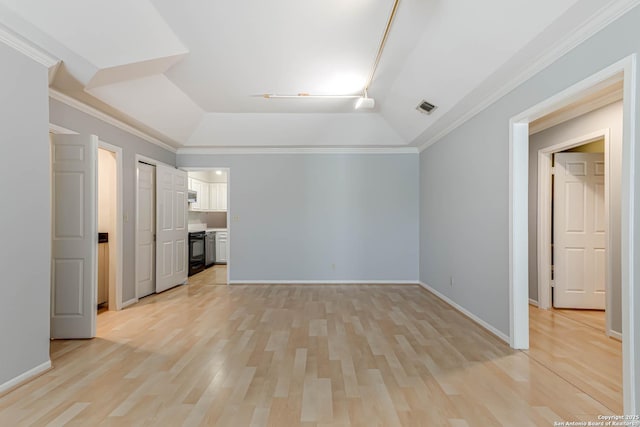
235,218
333,267
450,280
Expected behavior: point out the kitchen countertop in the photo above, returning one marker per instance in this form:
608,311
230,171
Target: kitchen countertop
196,227
203,227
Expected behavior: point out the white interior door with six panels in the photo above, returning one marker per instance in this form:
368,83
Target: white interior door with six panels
74,245
171,227
579,231
146,250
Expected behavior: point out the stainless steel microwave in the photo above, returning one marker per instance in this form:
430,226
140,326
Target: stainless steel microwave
192,196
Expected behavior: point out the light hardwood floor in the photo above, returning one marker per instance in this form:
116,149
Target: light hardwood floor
288,355
216,275
592,318
573,345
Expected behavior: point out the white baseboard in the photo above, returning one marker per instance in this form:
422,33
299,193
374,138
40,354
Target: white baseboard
467,313
615,335
23,378
130,302
533,302
323,282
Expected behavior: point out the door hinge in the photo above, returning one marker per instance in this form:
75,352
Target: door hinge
553,284
553,170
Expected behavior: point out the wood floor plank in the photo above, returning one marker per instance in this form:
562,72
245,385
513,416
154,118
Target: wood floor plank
307,355
571,347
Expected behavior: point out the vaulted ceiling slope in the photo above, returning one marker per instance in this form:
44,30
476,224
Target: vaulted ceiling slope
191,73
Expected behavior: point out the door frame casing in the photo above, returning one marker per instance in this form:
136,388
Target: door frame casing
518,215
545,217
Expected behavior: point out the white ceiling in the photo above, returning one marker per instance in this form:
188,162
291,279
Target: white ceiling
240,48
187,71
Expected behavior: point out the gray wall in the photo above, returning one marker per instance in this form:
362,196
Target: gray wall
26,224
297,214
606,117
70,118
464,182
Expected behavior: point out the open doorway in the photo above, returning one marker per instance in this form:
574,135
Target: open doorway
518,214
75,232
209,225
109,221
589,131
574,274
574,223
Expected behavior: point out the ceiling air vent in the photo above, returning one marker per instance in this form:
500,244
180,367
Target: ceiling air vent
426,107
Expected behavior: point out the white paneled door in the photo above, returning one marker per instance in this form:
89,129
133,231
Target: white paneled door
146,247
74,236
579,231
171,227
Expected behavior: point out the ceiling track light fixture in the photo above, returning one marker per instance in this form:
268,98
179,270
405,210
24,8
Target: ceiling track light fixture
306,95
363,101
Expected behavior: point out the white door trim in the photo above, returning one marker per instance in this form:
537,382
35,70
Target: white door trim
545,217
115,294
518,216
228,225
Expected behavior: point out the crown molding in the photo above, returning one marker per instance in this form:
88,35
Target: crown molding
296,150
597,22
13,40
94,112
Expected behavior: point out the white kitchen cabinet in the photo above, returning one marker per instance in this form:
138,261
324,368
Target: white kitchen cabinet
222,196
221,247
212,196
197,186
218,196
205,202
202,188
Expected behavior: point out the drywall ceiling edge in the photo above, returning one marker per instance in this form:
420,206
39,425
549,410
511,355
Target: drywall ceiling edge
598,22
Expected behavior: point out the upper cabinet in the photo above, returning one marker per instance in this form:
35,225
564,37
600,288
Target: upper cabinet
218,196
212,196
202,203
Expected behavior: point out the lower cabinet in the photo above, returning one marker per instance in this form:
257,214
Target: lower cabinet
102,295
221,247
